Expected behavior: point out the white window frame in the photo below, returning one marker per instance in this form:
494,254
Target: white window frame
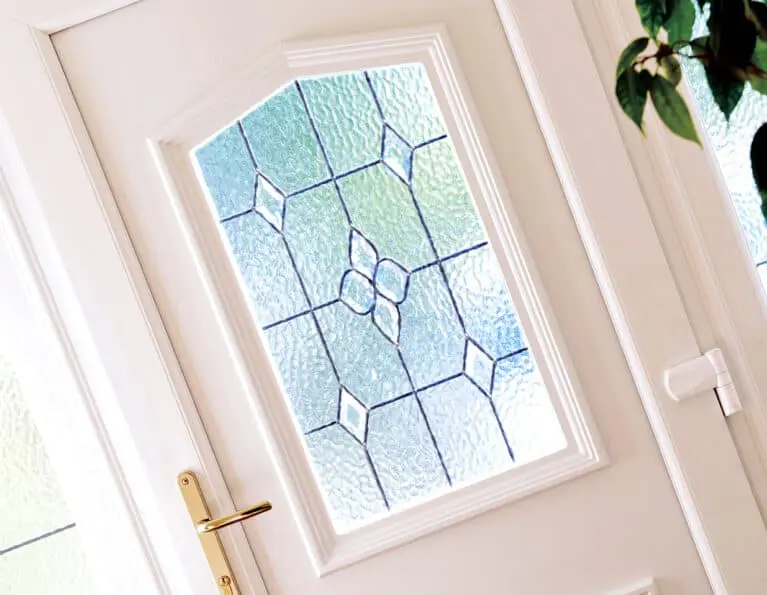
429,46
80,268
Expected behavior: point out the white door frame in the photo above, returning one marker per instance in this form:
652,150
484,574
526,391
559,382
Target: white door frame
690,201
64,212
61,208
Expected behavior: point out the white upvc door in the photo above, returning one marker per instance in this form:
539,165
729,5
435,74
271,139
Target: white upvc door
708,210
412,293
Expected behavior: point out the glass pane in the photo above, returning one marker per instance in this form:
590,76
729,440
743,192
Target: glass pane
346,117
407,102
51,566
30,501
385,310
731,143
39,550
229,174
466,429
284,143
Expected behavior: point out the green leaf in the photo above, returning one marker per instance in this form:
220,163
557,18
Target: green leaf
699,46
759,164
672,110
726,89
631,53
631,91
652,14
680,22
759,59
671,69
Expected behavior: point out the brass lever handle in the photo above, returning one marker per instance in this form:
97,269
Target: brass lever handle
225,584
207,530
206,526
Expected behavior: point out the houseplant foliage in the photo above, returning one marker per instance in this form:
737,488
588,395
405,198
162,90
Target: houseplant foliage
733,55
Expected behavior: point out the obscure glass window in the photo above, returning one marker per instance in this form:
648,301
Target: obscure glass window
39,549
384,307
731,142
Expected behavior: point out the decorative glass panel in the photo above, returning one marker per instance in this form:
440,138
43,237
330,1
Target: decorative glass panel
384,308
39,547
731,143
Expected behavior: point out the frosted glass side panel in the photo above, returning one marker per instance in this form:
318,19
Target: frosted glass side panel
382,302
51,566
731,143
30,501
39,550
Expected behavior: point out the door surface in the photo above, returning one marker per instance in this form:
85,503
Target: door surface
384,314
714,231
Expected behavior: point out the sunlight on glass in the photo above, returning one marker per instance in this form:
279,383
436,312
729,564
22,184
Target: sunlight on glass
385,310
39,549
731,142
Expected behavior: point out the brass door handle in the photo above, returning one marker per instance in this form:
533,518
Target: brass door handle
207,529
206,526
225,585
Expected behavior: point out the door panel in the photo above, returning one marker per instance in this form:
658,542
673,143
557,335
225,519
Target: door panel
134,71
707,210
394,336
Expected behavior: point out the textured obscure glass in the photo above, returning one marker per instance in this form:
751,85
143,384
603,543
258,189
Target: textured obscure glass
484,302
284,145
347,478
466,430
322,258
52,566
374,373
39,551
228,171
431,351
382,208
444,199
263,258
403,452
407,103
384,308
524,408
306,372
732,144
30,500
346,118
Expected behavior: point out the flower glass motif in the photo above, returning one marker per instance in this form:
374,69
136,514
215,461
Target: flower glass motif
374,285
381,301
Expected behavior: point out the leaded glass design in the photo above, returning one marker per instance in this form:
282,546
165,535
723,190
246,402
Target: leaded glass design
383,305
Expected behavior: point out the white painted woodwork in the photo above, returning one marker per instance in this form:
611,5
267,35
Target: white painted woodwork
136,70
701,238
63,379
171,149
54,15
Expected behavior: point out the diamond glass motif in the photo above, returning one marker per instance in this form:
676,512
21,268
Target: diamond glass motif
388,288
353,415
386,314
362,254
478,367
386,318
391,280
357,292
270,203
397,154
